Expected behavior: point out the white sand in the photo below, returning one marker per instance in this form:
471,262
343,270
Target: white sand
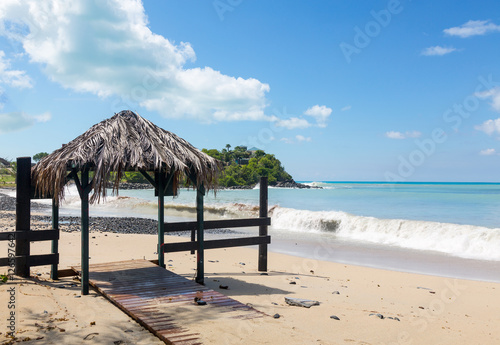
431,310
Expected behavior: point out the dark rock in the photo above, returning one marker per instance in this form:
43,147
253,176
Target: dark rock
335,317
335,293
380,316
276,316
224,287
293,283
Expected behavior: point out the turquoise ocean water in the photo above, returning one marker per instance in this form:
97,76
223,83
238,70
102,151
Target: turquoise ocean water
439,228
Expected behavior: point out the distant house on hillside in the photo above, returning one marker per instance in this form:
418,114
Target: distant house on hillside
4,163
253,150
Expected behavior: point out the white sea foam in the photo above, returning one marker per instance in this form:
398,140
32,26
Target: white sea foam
459,240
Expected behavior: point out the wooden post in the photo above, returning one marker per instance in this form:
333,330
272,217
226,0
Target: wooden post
23,209
161,217
84,195
263,228
55,243
200,269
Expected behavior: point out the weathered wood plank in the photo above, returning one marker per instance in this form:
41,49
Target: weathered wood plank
151,295
214,244
218,224
38,235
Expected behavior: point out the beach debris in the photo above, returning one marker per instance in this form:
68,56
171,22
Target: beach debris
380,316
90,336
201,302
306,303
242,263
311,271
128,331
274,303
423,288
264,274
213,260
335,317
224,287
276,316
293,283
335,293
393,318
118,342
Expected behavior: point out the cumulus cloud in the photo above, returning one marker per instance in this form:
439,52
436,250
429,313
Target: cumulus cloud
473,28
487,152
399,135
16,121
489,127
14,78
494,95
319,113
437,51
292,123
106,48
298,138
301,138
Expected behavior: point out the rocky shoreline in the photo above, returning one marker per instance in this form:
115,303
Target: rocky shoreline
281,184
117,225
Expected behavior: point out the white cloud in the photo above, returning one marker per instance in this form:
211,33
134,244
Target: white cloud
301,138
473,28
394,135
399,135
487,152
489,127
298,138
292,123
15,121
14,78
106,48
437,51
347,107
494,94
320,113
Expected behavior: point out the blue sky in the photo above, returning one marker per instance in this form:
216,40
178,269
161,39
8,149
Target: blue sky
337,90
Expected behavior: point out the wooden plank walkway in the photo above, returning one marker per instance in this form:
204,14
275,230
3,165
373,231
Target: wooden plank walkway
162,301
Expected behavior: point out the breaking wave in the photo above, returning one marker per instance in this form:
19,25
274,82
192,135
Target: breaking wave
459,240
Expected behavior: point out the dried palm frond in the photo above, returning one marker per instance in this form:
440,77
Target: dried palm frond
122,143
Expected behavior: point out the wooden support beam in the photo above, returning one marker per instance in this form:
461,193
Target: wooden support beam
23,210
84,227
160,179
263,201
214,244
55,242
31,236
148,177
33,260
200,257
218,224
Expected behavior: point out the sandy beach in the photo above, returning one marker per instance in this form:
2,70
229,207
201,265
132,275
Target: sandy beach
416,309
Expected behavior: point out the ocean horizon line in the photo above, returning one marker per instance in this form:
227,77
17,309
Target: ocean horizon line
404,182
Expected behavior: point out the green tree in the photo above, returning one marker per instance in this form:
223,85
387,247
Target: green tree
39,156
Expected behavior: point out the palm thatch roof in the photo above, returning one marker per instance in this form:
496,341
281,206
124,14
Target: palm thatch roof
122,143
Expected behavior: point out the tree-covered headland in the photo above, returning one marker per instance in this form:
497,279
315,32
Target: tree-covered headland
243,167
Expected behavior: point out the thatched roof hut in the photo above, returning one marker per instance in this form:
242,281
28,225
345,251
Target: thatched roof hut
124,142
